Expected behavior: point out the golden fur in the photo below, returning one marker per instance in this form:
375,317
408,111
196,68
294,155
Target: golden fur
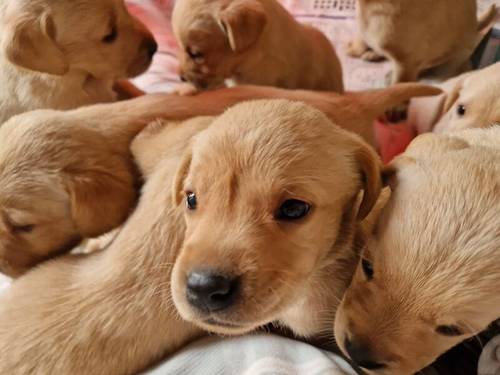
477,94
111,312
251,42
434,255
65,54
415,38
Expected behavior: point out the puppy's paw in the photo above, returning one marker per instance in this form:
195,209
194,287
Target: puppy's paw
186,89
356,48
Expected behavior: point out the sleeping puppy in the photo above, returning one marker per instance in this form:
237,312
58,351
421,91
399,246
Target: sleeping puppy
285,222
430,273
415,39
66,54
43,231
68,176
251,42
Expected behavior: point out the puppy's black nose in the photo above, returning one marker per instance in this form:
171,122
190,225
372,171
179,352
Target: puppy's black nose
209,291
361,355
151,46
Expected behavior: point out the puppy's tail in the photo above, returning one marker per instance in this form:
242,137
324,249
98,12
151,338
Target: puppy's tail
486,19
379,101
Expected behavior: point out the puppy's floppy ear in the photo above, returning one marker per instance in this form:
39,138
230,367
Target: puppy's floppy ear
370,166
30,43
452,90
243,22
180,176
99,201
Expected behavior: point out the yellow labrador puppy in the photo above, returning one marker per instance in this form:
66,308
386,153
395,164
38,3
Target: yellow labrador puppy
468,101
430,274
259,217
66,54
251,42
417,35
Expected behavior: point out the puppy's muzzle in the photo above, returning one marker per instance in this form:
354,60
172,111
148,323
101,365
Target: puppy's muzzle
361,355
209,291
150,45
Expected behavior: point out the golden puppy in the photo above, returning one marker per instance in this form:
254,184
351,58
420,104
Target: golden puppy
270,197
471,101
417,35
65,54
111,312
251,42
467,101
430,274
68,176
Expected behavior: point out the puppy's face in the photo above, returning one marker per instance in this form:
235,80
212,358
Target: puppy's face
472,102
214,38
61,181
34,225
428,276
97,37
265,190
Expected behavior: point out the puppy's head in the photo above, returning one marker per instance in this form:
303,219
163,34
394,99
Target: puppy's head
265,190
98,37
428,277
215,36
471,101
62,180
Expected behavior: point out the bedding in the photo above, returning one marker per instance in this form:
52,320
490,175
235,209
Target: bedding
257,354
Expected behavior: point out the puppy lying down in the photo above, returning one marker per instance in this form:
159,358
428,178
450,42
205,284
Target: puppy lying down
76,166
254,223
430,273
251,42
66,54
468,101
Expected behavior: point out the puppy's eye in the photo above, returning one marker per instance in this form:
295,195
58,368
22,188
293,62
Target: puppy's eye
23,228
367,267
191,200
449,330
111,37
292,209
461,110
195,55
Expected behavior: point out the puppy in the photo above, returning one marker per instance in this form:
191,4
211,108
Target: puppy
29,167
68,176
271,212
66,54
471,101
251,42
414,38
430,273
111,312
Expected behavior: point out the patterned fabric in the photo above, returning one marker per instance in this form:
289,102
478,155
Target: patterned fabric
258,354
